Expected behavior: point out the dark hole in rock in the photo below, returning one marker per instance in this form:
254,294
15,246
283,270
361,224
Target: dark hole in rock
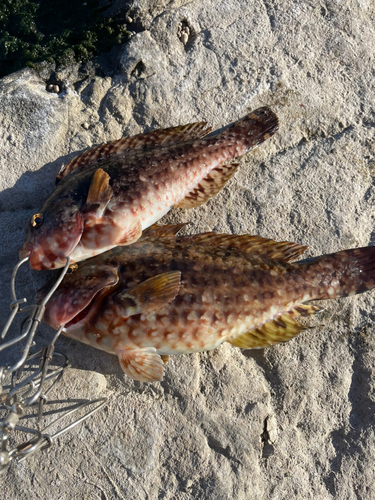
185,33
139,70
54,84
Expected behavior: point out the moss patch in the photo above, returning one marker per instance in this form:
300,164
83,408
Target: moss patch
62,32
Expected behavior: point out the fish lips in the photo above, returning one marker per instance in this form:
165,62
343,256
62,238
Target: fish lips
73,301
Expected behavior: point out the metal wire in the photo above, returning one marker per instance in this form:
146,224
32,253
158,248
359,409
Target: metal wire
42,439
26,391
34,319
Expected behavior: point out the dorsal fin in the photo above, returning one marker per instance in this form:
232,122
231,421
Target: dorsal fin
271,249
209,186
276,331
167,231
150,140
283,250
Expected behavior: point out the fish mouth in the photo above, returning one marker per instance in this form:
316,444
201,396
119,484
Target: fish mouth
78,298
57,318
88,311
49,260
41,258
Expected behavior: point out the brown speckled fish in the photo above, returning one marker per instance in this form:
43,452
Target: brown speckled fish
171,295
109,194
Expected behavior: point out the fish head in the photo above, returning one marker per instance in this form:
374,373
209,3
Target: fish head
52,234
79,295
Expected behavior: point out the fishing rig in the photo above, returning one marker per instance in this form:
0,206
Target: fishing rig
26,383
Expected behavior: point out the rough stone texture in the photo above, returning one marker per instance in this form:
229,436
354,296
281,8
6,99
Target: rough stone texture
297,420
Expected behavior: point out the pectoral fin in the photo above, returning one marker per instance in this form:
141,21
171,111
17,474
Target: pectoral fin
209,186
100,192
149,295
279,330
132,234
102,232
143,364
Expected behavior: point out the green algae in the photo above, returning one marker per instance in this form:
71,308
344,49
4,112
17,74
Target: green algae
61,32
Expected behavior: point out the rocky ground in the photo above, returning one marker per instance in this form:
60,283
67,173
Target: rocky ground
294,421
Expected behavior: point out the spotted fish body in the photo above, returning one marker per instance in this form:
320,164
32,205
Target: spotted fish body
109,194
171,295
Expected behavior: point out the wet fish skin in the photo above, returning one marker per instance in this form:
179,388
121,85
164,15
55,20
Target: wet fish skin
108,195
168,295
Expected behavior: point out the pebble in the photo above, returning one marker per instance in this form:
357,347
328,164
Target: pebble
53,88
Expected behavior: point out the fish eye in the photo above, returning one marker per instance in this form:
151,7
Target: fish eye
36,220
72,268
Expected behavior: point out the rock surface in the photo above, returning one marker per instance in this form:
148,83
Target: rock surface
295,421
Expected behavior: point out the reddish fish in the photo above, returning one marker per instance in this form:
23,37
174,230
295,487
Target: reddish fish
170,295
108,195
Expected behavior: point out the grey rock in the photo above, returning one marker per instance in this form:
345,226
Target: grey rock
296,420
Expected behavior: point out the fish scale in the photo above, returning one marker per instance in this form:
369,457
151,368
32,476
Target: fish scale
168,295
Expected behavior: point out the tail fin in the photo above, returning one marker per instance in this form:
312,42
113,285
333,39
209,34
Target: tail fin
250,131
343,273
258,126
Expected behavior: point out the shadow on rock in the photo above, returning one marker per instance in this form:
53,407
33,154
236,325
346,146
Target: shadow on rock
361,421
33,187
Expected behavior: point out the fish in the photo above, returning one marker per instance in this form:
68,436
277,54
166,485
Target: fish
168,294
109,194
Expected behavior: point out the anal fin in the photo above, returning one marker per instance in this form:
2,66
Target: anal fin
276,331
143,364
209,186
166,231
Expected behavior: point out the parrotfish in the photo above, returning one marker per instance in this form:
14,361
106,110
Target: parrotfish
168,294
106,196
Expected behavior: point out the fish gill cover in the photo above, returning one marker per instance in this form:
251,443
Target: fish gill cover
61,32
